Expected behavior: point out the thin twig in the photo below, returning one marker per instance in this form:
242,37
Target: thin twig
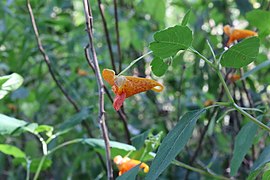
117,35
107,35
46,57
102,123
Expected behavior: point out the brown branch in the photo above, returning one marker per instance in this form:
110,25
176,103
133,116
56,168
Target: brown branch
102,123
46,57
107,35
59,85
117,35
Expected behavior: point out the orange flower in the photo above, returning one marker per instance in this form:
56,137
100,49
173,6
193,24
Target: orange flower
208,103
233,77
237,34
126,86
81,72
125,164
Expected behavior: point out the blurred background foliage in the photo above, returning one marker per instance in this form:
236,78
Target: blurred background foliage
188,81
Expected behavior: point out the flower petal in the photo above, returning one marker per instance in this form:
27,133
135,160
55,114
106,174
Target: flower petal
108,76
135,85
119,100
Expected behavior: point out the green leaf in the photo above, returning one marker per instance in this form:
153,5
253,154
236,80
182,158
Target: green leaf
117,148
74,120
262,160
169,41
44,128
243,142
259,18
12,150
12,126
241,54
266,175
173,143
257,68
9,83
131,174
158,66
138,141
186,18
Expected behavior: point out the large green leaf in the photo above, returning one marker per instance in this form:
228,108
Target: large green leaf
262,160
169,41
241,54
243,142
173,143
259,18
12,126
131,174
9,83
158,66
12,150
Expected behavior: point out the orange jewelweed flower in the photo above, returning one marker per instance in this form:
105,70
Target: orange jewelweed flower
208,103
126,86
237,34
125,164
233,77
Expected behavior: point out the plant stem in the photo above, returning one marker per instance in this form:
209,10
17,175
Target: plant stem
203,58
39,167
133,62
247,115
198,170
225,86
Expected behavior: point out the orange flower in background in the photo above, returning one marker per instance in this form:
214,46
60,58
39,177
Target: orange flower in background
208,103
125,164
233,77
237,34
126,86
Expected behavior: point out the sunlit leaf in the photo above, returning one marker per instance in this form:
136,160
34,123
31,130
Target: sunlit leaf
169,41
12,150
243,142
173,143
9,83
241,54
12,126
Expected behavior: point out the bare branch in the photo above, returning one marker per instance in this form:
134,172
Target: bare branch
117,35
107,35
102,123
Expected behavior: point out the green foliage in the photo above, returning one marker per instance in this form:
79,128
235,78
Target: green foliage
262,159
12,150
12,126
169,41
9,83
258,18
173,143
158,66
186,18
243,142
241,54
